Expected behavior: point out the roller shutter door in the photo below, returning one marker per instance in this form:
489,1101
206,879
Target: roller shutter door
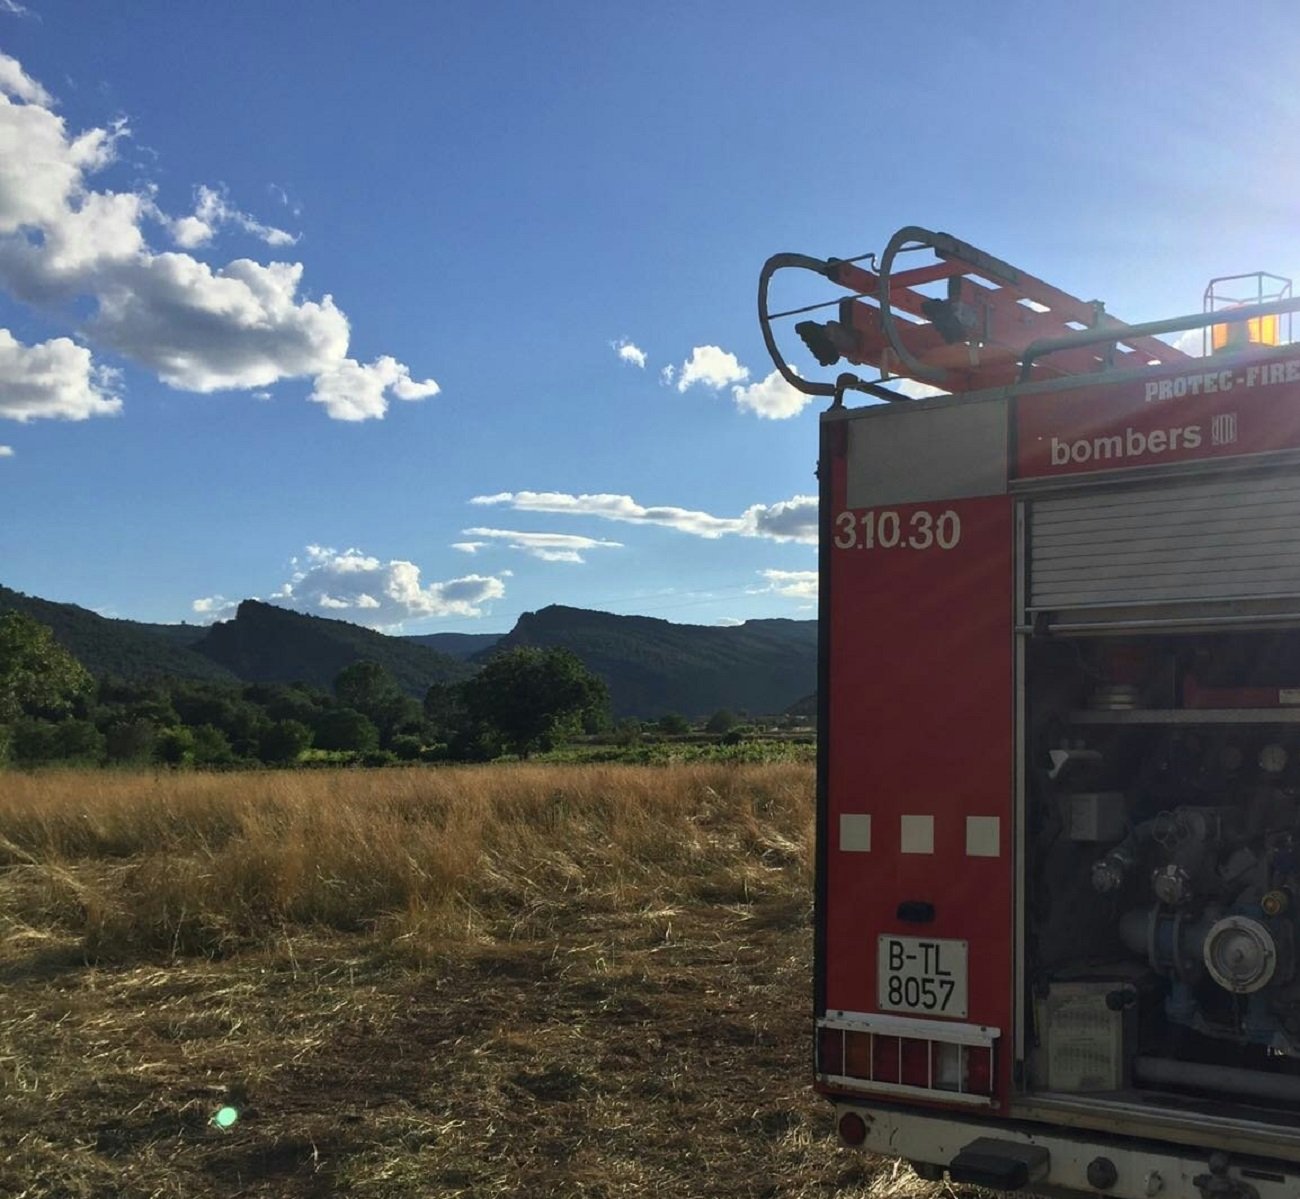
1221,539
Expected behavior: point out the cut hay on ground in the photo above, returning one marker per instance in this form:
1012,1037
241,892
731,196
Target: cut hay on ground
499,981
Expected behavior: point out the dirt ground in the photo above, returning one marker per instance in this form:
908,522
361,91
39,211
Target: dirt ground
657,1052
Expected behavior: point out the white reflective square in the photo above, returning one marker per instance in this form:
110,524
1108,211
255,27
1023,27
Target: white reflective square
983,836
917,834
855,834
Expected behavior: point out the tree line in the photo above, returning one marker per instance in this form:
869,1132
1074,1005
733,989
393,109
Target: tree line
522,701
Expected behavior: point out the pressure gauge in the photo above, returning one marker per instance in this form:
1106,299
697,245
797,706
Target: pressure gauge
1272,758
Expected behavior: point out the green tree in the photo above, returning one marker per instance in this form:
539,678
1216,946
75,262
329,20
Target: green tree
405,748
283,742
34,741
175,747
130,741
365,686
37,675
721,721
627,732
79,741
373,691
673,724
534,697
444,710
211,746
346,728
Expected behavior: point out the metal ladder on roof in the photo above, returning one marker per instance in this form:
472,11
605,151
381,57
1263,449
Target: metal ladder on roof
994,326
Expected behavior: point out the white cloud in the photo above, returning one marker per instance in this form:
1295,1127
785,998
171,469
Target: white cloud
1190,341
667,375
914,389
773,398
54,379
212,210
549,547
712,366
794,519
468,547
728,622
213,608
794,584
379,594
41,168
203,330
351,391
629,352
14,81
14,9
198,327
6,451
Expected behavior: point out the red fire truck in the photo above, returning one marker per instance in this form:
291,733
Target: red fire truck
1058,813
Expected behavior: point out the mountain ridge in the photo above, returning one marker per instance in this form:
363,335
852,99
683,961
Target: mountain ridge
650,665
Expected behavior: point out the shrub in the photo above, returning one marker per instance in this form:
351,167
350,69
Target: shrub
130,741
405,748
720,722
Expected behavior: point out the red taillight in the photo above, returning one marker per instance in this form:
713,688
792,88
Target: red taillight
830,1051
886,1059
979,1070
857,1054
853,1129
916,1062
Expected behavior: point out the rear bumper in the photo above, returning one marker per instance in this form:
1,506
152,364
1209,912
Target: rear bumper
1133,1169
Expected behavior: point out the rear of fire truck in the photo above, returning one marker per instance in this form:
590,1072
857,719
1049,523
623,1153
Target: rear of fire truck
1058,842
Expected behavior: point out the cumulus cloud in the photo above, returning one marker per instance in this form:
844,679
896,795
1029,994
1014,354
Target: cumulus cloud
212,210
379,594
549,547
468,547
712,366
794,519
794,584
14,81
629,352
667,375
772,398
6,451
213,608
241,326
53,379
351,391
200,328
914,388
1190,341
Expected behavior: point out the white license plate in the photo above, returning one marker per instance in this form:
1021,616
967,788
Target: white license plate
923,975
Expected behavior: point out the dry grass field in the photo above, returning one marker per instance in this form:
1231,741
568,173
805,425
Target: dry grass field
511,980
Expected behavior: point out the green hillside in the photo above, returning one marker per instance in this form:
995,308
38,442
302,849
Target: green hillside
266,644
458,645
652,666
123,648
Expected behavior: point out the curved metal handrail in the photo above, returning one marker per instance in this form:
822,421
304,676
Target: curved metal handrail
847,381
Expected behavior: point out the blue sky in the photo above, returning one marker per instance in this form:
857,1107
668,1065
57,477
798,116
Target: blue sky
499,224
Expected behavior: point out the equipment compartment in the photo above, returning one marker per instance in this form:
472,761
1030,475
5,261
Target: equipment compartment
1162,870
